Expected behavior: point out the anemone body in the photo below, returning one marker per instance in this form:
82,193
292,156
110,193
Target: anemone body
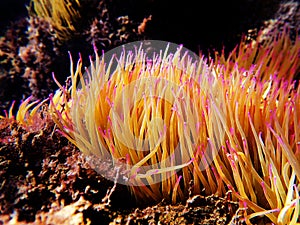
151,112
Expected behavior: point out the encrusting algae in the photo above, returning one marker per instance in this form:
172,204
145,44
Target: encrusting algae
230,125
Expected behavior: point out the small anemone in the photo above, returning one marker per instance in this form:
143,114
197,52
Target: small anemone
61,14
29,114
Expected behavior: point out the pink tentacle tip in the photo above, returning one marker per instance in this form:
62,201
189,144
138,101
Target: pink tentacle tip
178,179
244,204
263,186
231,188
156,171
94,47
232,131
270,171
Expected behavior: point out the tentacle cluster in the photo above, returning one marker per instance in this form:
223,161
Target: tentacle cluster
232,125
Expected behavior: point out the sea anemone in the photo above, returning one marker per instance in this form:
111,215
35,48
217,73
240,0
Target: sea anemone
31,115
150,111
61,14
232,124
262,126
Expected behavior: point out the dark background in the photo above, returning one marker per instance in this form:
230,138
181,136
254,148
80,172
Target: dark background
10,11
212,24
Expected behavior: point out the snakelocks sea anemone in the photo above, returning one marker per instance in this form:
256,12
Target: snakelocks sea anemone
148,109
165,118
